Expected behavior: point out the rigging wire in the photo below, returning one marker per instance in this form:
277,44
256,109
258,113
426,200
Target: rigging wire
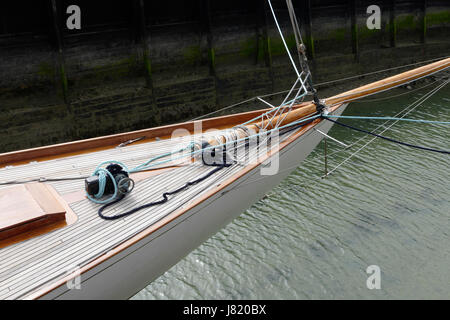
408,109
421,100
282,38
294,22
404,111
380,71
416,104
165,195
306,74
386,138
42,179
399,83
386,118
45,179
150,165
326,83
104,173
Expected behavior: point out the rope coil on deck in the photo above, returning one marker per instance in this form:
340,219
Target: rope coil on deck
230,137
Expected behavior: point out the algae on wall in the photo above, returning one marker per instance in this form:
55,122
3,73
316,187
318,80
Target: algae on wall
117,82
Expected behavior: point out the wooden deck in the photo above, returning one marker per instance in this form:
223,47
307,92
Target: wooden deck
30,264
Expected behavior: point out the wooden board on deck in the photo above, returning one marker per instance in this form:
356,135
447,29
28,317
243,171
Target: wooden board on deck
28,207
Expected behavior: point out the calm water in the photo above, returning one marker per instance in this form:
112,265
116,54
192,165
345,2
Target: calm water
314,238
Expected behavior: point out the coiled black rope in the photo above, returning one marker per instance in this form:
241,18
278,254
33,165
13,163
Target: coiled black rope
165,196
388,139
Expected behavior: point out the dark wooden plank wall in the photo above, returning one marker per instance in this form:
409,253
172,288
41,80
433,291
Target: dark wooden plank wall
142,63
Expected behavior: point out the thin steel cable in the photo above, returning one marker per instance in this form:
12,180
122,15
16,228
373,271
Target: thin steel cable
319,84
295,27
379,71
383,125
388,139
426,97
396,95
282,38
399,83
411,108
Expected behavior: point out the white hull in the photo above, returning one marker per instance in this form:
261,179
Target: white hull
129,271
